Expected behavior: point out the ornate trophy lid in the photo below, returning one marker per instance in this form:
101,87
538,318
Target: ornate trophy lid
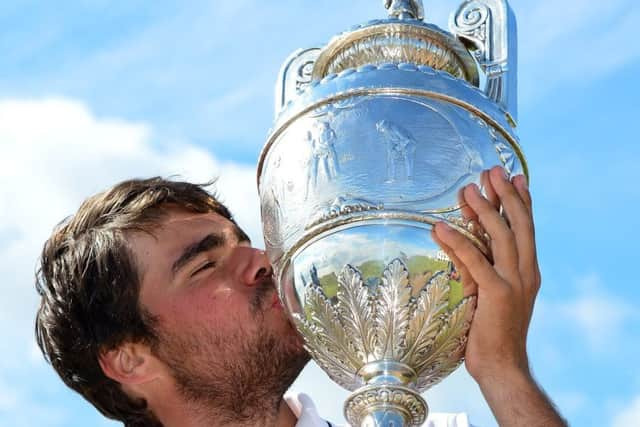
401,38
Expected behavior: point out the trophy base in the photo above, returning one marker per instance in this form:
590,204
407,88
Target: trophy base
385,406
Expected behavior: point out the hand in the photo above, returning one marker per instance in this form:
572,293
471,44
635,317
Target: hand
496,354
508,285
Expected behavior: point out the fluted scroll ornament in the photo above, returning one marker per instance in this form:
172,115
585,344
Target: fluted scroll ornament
375,136
488,27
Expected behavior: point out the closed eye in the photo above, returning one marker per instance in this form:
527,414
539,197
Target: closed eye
210,264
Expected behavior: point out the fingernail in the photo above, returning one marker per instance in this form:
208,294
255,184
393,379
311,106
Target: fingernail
505,175
520,182
474,187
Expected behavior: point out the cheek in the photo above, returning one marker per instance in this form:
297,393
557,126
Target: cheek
222,310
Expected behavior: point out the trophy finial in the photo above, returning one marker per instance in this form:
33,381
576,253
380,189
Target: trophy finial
405,9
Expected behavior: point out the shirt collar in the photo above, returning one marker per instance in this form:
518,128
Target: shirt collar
304,409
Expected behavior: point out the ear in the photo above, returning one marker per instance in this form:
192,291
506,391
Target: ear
129,364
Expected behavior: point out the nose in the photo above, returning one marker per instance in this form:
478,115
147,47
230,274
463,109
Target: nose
252,266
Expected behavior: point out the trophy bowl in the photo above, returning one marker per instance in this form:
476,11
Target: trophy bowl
375,136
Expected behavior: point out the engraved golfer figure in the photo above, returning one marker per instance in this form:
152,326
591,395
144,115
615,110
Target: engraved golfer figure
323,160
401,149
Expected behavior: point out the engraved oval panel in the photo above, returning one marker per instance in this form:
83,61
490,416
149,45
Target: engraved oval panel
405,152
408,152
373,152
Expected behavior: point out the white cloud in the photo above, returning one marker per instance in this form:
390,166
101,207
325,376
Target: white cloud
598,315
55,153
628,416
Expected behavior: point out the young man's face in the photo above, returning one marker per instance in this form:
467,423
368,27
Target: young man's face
221,328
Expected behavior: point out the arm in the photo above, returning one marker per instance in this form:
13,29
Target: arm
496,355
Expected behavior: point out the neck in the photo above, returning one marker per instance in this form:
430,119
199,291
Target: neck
286,417
182,414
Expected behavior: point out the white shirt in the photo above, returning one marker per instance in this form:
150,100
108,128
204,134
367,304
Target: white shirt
304,409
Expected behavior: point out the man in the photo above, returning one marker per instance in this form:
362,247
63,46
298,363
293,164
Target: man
156,309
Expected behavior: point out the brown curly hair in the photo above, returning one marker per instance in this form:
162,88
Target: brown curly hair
89,286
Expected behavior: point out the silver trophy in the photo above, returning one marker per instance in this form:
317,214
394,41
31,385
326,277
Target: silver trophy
375,135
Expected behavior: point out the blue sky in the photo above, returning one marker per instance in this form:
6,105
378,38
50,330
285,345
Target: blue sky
92,92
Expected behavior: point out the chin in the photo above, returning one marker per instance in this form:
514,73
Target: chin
287,333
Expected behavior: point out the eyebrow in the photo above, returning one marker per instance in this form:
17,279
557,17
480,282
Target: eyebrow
210,241
240,234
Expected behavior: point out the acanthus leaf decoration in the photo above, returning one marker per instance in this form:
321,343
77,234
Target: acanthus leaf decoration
427,318
336,369
329,330
445,355
364,325
355,309
392,311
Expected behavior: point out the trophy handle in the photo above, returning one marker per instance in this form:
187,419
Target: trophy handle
488,29
295,76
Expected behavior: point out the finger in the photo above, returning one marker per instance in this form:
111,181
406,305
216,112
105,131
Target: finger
481,272
522,187
489,191
469,285
509,197
467,212
521,224
521,184
503,245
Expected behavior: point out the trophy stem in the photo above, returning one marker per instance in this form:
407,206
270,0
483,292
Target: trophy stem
385,417
385,406
387,400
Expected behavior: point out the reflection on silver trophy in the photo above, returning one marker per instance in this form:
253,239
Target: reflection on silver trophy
375,134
